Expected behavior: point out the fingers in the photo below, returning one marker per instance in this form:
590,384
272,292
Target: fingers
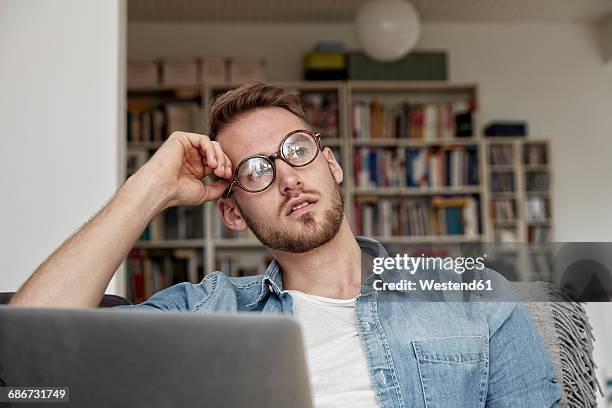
230,167
221,168
215,190
212,154
223,165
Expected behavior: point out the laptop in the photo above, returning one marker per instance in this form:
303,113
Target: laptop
128,358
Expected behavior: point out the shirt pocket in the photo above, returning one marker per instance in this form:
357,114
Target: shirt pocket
453,370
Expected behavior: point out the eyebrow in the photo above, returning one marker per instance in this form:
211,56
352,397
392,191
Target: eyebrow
261,153
268,155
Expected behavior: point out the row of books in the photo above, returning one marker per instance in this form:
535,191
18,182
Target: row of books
502,210
535,154
535,234
537,209
135,159
237,265
500,154
417,217
505,234
502,182
538,234
150,271
321,109
425,167
537,181
176,223
148,122
427,121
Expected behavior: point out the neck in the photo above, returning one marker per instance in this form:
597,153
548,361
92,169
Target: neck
332,270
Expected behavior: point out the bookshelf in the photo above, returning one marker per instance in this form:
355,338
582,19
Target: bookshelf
369,125
384,119
520,180
520,205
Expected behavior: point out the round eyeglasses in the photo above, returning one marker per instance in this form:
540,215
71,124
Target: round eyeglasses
256,173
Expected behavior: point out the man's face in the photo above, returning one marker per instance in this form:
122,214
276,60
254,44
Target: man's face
269,213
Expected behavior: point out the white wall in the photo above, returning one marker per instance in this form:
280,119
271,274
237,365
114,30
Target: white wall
551,75
61,118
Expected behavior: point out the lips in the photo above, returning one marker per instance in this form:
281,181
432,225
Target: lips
302,210
298,205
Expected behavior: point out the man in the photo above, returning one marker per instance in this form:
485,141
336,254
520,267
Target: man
364,347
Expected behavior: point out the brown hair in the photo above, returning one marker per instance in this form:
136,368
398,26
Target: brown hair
227,107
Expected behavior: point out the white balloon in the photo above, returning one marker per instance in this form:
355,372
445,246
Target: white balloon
387,29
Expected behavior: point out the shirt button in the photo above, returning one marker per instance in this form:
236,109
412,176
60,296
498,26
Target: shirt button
382,377
366,325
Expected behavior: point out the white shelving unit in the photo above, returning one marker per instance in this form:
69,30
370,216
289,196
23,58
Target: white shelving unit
521,222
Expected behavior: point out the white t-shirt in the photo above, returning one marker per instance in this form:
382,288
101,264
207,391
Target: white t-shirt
336,361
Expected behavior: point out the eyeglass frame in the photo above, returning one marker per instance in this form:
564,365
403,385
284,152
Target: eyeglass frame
272,158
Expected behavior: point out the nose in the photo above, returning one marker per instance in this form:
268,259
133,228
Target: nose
288,178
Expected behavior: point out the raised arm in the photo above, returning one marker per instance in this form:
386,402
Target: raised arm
77,273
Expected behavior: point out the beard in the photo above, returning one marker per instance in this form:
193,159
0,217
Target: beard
311,235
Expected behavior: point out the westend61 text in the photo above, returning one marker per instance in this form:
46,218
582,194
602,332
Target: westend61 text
432,285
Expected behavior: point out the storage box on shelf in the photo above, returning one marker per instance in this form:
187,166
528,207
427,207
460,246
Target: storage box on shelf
181,72
142,74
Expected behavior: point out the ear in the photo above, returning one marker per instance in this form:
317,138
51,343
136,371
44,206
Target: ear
335,168
231,214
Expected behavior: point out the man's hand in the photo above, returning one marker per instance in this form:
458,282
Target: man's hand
182,162
79,271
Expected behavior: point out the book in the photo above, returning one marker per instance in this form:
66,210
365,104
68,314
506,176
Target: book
537,181
236,266
502,209
135,159
191,257
415,167
396,217
148,121
505,234
501,154
536,209
535,154
538,234
152,270
321,109
428,121
502,182
182,116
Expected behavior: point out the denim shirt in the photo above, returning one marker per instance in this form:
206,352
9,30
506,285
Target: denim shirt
419,353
